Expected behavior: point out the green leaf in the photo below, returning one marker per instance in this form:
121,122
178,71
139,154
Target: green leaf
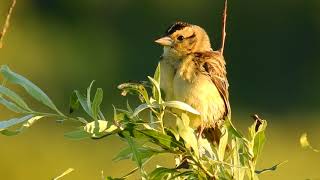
11,106
83,102
232,130
89,97
31,88
77,135
163,140
146,153
64,173
182,106
74,102
14,121
273,168
14,97
305,143
162,173
134,149
96,103
142,107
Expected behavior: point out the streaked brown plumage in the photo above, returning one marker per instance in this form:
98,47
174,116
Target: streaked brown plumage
195,74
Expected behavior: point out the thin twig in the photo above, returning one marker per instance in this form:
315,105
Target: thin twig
224,22
7,23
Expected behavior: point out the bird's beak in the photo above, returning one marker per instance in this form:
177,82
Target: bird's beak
165,41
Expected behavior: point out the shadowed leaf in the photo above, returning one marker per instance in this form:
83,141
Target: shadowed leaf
32,89
14,97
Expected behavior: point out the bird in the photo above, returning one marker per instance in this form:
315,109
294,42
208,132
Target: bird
192,72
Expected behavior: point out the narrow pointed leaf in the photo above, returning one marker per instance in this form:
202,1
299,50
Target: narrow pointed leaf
31,88
96,103
83,102
259,139
14,97
89,96
11,106
142,107
74,102
182,106
156,89
223,144
134,149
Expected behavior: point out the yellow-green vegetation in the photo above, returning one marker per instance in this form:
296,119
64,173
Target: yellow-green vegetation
234,157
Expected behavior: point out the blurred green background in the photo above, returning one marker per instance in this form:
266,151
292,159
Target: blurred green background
272,54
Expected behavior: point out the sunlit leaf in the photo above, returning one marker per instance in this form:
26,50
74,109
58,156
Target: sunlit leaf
14,97
156,75
305,143
205,148
259,139
222,144
31,88
187,133
273,168
182,106
22,128
64,173
156,89
101,126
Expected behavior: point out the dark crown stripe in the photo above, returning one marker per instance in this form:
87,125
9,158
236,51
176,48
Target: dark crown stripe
175,27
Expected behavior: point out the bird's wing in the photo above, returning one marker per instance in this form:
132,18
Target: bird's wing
213,64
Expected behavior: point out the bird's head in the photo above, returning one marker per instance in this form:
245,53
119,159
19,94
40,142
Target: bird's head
183,38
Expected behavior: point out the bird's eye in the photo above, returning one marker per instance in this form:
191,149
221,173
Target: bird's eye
180,38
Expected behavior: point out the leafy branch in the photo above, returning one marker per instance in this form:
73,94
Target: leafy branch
154,127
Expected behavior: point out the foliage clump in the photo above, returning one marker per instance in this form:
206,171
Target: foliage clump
147,134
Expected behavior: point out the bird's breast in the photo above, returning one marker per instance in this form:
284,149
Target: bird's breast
200,92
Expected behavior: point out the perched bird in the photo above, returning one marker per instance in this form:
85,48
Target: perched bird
193,73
